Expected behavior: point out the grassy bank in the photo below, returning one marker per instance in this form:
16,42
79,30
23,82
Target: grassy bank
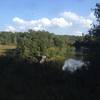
5,48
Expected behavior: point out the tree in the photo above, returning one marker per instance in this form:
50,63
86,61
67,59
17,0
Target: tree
34,44
91,42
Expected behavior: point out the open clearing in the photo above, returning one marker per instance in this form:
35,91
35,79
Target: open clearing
5,48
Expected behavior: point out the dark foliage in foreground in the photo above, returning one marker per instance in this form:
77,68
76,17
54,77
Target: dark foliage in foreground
21,80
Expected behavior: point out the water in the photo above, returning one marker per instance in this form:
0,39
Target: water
72,64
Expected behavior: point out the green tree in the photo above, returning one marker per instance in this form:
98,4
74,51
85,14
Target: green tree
91,42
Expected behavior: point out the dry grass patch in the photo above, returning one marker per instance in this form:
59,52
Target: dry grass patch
5,48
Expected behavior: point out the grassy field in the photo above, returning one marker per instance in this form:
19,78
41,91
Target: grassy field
5,48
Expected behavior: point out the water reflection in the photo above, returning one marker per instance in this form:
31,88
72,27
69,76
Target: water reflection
72,64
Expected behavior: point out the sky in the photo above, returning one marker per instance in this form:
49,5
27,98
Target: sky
69,17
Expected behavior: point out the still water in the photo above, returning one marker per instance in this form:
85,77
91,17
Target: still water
72,64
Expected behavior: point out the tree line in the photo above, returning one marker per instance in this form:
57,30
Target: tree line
33,44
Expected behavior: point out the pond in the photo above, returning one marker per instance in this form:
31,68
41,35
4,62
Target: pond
72,64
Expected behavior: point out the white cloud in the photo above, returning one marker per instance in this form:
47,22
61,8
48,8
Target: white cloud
78,33
91,16
41,24
10,29
67,23
60,22
44,21
70,16
86,22
77,20
18,20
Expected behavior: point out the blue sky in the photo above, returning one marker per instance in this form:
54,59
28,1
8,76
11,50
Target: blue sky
21,15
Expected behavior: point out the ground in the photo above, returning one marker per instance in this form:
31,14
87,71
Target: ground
5,48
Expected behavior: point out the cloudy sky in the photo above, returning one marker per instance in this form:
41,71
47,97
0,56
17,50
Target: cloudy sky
71,17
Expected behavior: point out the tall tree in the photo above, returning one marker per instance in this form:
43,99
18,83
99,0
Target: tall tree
91,42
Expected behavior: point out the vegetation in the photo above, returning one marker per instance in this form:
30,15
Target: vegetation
22,80
91,42
7,38
34,44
